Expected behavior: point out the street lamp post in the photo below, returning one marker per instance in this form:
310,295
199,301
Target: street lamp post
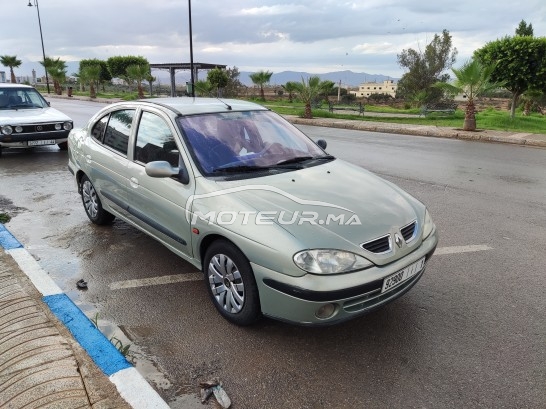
191,53
42,38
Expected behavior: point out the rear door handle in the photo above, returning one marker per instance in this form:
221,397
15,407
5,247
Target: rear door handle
134,182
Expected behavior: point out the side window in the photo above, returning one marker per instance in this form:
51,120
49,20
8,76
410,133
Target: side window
119,129
99,127
155,140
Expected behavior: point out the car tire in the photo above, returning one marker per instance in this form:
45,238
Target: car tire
63,146
230,283
92,204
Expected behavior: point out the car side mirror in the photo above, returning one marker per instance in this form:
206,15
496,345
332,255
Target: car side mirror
163,169
322,143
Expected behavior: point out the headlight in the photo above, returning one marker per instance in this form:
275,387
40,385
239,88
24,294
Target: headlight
67,126
428,226
7,130
325,261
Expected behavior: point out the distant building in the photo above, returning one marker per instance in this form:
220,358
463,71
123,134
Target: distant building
388,87
2,76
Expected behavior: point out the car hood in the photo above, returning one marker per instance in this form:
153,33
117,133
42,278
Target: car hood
32,116
333,205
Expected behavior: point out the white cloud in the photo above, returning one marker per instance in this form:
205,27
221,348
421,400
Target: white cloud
278,35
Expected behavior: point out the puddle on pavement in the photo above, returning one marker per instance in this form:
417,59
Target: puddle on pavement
144,364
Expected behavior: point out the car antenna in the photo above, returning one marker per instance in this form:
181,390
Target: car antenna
213,96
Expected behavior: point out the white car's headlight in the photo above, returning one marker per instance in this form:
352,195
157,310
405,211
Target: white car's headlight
428,226
67,126
327,261
6,130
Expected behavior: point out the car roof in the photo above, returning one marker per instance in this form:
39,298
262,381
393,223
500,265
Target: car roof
190,106
10,85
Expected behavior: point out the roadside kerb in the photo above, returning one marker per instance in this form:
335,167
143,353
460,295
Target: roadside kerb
131,386
529,139
485,135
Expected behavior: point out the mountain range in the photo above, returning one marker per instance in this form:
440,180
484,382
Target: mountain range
347,78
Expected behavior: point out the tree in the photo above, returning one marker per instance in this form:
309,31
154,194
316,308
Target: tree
91,74
203,88
56,68
472,79
218,78
234,85
524,29
12,62
520,64
118,65
138,73
290,87
426,68
260,78
308,91
105,75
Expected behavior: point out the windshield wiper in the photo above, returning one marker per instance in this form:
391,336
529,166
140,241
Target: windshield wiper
299,159
239,168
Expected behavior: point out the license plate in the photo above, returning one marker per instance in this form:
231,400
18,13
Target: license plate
399,277
44,142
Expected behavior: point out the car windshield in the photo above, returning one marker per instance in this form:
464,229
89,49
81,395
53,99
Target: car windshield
21,98
247,141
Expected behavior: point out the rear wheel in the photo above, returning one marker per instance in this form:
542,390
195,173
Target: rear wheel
92,204
231,284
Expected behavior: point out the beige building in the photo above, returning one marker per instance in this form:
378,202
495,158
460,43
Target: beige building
368,88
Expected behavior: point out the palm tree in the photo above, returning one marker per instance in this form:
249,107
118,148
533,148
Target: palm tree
12,62
308,91
91,74
530,98
204,88
57,70
290,87
472,80
260,78
139,73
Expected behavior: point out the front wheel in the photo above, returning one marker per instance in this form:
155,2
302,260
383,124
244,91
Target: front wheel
63,146
93,205
231,284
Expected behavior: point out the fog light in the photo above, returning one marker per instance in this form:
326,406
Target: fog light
326,311
18,129
58,127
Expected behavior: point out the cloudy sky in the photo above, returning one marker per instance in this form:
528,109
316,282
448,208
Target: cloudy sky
277,35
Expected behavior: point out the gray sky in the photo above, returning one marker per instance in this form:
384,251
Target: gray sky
314,36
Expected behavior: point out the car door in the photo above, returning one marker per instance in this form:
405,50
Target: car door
106,157
158,204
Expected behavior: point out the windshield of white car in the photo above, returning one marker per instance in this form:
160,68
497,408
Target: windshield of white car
21,98
247,141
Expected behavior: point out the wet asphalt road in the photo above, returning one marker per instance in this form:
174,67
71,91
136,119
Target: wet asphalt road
471,333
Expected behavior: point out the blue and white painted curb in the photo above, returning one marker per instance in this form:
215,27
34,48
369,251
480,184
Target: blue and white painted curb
130,384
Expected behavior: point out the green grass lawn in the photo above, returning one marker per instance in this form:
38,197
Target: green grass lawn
487,119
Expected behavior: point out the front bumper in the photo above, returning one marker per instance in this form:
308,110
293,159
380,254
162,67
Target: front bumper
297,299
21,140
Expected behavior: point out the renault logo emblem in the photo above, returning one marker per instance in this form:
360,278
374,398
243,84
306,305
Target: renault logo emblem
398,240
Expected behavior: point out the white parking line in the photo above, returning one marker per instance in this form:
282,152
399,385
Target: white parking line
440,251
179,278
145,282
